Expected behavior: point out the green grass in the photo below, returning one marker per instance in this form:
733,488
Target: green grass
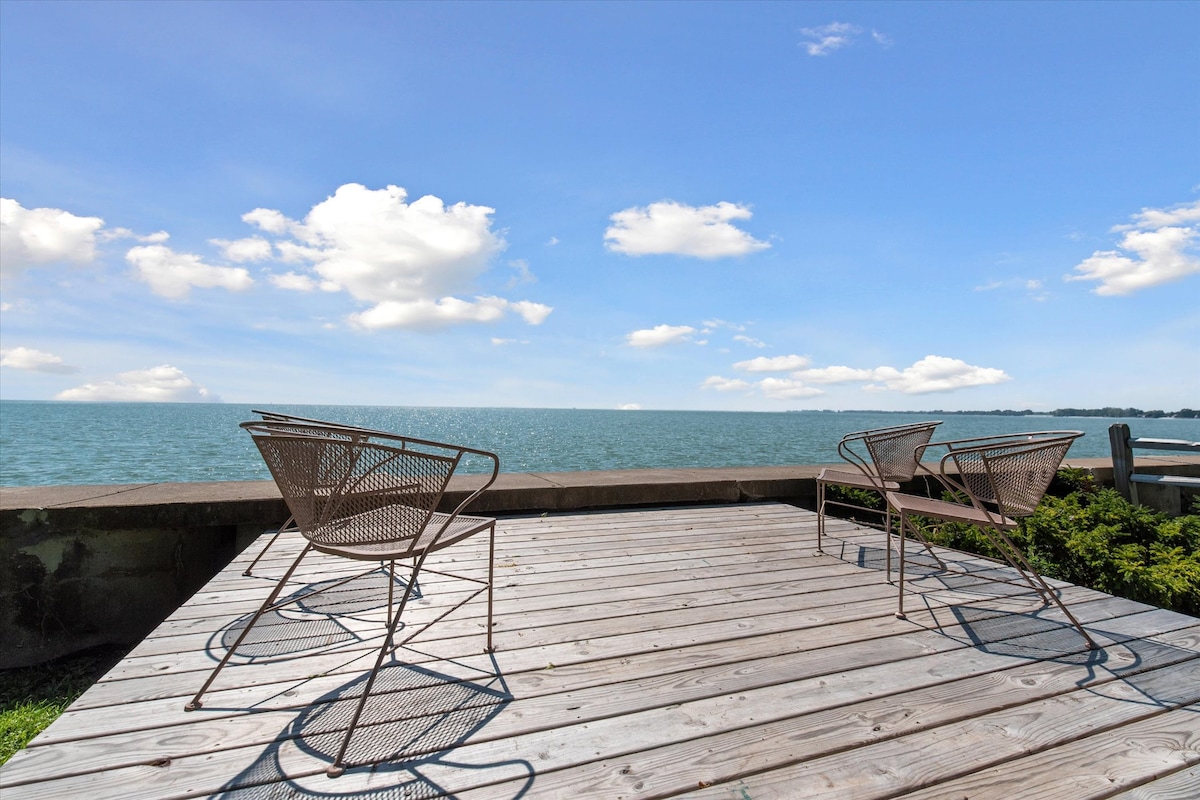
33,697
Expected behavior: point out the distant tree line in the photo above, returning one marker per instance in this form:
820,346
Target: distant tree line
1110,411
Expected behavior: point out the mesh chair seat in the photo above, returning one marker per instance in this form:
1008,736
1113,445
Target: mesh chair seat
440,532
855,480
910,504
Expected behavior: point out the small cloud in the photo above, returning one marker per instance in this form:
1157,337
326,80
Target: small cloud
253,248
431,314
268,220
1034,287
660,335
787,389
113,234
552,241
713,324
773,364
32,236
522,273
293,281
34,361
825,39
174,275
162,384
1159,247
502,342
670,228
749,341
630,407
836,375
721,384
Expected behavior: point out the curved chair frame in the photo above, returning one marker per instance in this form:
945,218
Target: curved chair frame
1003,478
890,459
308,423
367,496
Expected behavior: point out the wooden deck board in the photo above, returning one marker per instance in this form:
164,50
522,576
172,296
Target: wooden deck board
700,651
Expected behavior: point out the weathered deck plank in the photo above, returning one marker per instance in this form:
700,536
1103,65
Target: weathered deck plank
701,651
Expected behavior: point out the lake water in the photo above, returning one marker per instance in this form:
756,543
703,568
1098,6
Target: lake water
51,443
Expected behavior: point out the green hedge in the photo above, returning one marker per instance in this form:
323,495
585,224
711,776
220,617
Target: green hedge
1093,537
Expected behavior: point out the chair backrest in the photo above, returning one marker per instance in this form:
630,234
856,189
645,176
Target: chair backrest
346,486
890,450
1010,472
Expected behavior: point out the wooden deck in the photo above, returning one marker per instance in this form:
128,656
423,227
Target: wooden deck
706,652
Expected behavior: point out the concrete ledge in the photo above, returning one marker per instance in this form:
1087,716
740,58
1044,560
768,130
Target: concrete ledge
87,565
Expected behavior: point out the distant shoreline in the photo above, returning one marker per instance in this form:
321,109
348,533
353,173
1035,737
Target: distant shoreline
1110,413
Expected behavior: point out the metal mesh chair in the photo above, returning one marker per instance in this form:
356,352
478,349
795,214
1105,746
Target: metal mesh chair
1003,479
366,496
313,427
889,460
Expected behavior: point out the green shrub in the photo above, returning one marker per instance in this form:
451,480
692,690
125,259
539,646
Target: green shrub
1094,537
859,497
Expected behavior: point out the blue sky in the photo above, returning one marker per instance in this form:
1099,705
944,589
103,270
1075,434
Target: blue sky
744,206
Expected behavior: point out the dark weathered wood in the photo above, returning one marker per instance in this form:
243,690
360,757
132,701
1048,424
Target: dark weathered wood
1124,466
661,652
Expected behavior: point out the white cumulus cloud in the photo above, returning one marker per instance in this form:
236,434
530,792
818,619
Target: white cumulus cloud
660,335
34,360
411,262
772,364
174,275
668,227
162,384
430,314
787,389
722,384
1158,247
935,374
837,374
30,236
252,248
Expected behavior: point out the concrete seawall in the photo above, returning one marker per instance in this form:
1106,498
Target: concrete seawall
82,566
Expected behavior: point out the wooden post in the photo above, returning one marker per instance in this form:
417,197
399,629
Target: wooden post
1122,459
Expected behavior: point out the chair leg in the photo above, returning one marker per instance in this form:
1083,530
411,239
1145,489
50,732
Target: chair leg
900,579
491,583
338,766
820,514
1013,555
887,540
195,702
282,528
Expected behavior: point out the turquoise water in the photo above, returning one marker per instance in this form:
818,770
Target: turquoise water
48,443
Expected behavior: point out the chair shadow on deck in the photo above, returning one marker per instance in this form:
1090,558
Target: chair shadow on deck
412,723
311,622
1018,634
876,558
320,620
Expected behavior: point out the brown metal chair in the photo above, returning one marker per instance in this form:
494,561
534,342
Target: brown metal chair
366,496
335,429
889,461
1003,479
